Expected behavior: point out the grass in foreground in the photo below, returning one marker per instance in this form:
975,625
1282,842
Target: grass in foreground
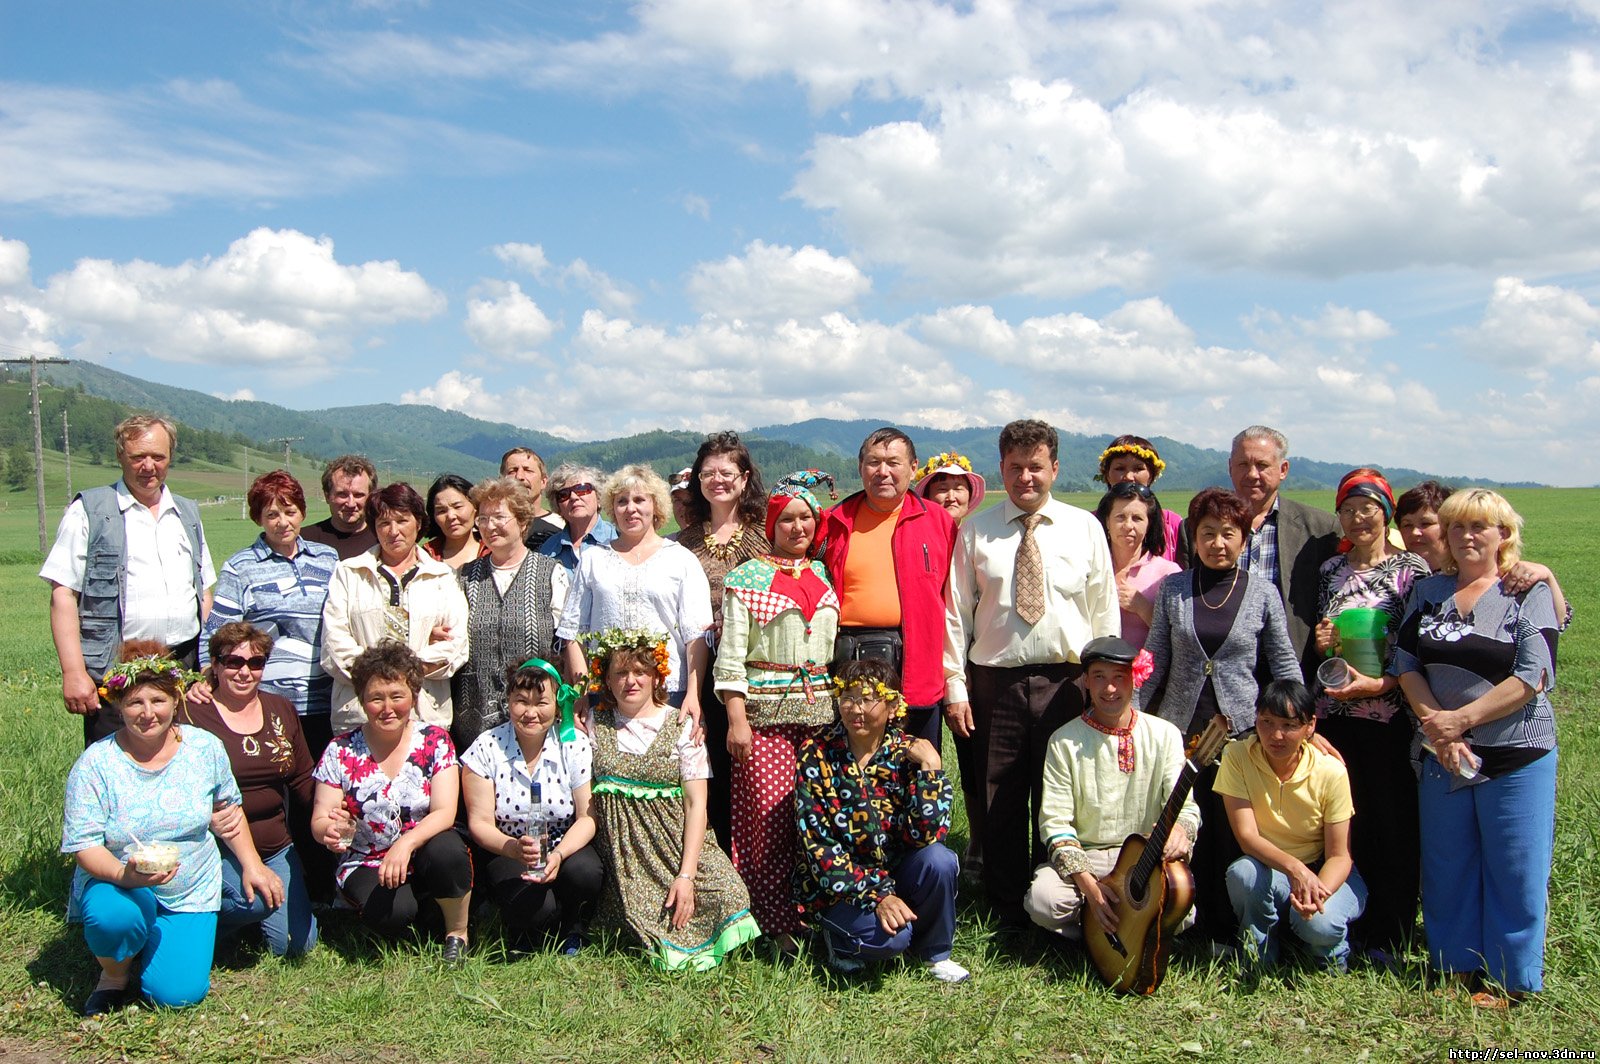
356,999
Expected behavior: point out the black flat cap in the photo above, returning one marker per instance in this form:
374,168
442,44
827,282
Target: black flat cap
1108,648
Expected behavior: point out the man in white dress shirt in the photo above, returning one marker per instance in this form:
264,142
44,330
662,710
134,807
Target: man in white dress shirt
130,562
1030,583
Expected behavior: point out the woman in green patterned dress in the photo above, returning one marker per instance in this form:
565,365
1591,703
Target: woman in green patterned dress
669,884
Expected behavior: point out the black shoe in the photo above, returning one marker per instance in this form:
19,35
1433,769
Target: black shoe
455,951
107,999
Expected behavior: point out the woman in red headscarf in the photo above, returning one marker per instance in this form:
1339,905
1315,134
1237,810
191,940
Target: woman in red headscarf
779,618
1365,717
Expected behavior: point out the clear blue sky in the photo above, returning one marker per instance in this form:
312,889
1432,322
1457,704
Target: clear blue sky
1377,229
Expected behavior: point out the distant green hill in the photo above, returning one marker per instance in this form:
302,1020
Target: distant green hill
418,442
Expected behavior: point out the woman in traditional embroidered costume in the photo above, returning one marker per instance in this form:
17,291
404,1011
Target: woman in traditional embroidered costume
780,615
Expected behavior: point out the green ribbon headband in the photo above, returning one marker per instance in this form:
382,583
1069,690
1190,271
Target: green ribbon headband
567,695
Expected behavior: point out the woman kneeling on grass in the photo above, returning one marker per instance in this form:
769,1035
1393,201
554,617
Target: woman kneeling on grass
138,820
386,802
526,787
1289,806
668,883
873,807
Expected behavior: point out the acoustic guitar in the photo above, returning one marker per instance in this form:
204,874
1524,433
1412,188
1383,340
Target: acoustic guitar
1153,896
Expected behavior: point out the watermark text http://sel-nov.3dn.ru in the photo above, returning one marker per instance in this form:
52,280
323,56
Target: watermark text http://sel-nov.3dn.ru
1493,1053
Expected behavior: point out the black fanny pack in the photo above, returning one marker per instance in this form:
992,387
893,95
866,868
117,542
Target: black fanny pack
858,644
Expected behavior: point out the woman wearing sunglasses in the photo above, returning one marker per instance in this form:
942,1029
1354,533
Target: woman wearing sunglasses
270,762
573,493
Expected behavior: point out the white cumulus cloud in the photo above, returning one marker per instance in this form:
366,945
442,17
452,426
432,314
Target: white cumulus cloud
773,282
508,324
276,298
13,264
1537,327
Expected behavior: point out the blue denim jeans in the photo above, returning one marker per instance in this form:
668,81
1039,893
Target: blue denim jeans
290,929
1260,897
925,879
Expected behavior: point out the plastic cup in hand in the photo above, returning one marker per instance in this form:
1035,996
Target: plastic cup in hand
1335,672
541,841
347,835
155,858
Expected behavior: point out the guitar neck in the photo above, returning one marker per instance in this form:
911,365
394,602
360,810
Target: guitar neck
1151,858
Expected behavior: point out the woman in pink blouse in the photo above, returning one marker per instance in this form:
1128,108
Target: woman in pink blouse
1136,530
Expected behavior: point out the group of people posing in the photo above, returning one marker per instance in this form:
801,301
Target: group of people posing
522,688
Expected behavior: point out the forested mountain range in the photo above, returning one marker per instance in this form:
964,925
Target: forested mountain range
421,441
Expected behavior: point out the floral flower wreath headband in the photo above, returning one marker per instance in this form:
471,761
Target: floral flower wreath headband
879,691
124,676
942,460
1145,453
601,645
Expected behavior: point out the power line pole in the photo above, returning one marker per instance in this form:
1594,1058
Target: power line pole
33,361
286,441
66,448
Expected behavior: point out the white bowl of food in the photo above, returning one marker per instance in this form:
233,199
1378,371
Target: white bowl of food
155,858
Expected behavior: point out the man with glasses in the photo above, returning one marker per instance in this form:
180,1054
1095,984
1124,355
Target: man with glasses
574,492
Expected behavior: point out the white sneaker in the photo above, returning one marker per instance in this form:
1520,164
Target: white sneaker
947,971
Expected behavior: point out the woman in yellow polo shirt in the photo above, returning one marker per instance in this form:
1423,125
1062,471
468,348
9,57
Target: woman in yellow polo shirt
1289,806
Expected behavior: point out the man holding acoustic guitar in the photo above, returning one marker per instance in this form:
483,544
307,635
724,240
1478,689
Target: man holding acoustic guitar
1107,775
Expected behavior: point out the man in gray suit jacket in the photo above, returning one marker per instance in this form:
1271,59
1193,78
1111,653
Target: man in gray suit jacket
1288,541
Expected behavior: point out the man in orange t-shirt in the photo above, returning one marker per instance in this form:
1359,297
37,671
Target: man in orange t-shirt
888,552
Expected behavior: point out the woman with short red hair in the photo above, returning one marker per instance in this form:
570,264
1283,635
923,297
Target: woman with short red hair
279,583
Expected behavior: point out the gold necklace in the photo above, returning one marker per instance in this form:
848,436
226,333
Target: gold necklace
1201,595
723,552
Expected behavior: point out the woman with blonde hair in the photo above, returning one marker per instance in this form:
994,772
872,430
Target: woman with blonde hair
1477,665
642,581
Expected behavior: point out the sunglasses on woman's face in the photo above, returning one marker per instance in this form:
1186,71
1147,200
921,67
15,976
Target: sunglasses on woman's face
563,494
234,661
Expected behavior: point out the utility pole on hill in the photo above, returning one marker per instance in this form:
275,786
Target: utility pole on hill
66,449
286,441
33,361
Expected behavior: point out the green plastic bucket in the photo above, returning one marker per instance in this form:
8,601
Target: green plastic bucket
1364,639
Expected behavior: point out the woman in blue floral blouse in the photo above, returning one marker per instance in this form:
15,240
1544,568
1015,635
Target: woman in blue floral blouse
873,807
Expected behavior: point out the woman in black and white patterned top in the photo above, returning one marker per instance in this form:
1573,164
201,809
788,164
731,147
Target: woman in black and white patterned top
551,887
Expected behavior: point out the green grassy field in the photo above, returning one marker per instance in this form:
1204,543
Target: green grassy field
356,999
